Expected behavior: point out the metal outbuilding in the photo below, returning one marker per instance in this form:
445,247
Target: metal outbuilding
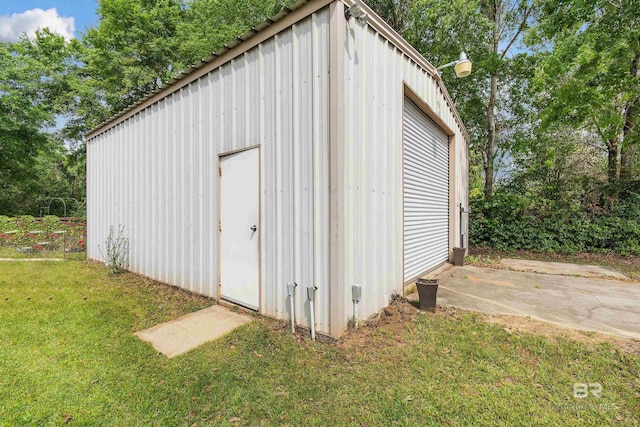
316,149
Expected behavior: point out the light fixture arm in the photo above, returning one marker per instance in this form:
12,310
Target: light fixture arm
450,64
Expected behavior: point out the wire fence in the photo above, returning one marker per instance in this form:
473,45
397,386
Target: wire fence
46,237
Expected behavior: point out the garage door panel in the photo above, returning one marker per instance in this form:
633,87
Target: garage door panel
417,236
419,171
424,257
422,203
425,163
426,193
417,228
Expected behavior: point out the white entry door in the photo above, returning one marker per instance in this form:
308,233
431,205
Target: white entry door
239,233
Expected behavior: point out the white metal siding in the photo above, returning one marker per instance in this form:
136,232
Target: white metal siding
375,72
156,173
426,193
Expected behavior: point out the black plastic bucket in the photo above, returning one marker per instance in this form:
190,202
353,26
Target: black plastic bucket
427,292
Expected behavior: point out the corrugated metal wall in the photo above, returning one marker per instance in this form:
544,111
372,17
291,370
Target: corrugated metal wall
156,173
375,74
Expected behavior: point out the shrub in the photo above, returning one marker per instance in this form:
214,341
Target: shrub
116,252
511,222
27,223
6,224
51,223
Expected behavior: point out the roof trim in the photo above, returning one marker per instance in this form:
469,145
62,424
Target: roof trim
256,35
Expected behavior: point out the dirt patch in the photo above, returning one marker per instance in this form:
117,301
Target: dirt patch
392,318
397,313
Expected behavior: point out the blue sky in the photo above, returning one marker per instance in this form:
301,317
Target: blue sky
66,17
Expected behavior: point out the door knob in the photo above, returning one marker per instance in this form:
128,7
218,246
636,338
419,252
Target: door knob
253,228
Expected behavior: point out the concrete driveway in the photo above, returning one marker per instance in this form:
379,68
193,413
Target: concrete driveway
590,304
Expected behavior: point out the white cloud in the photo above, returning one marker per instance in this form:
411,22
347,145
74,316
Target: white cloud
13,26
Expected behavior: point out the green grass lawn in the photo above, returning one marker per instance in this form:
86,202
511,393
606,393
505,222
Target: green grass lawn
68,356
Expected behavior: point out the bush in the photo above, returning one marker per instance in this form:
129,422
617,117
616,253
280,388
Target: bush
6,224
116,252
51,223
27,223
511,222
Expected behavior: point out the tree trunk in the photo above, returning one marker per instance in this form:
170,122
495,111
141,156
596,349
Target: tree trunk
627,161
490,146
629,148
628,152
611,195
612,164
491,137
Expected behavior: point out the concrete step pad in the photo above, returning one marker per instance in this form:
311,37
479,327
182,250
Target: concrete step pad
192,330
561,268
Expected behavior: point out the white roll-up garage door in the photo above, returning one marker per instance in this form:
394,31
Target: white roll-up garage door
426,193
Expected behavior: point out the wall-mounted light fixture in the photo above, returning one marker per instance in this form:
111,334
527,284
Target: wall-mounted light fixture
355,10
462,66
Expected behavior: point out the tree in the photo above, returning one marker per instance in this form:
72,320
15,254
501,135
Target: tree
133,50
33,83
508,19
394,12
208,24
589,76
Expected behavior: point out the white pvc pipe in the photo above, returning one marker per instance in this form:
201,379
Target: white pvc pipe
356,294
291,291
311,290
355,313
293,315
313,321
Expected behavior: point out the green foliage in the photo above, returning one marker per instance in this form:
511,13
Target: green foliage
394,12
490,33
6,223
208,24
27,223
133,50
588,76
51,223
513,222
34,87
139,45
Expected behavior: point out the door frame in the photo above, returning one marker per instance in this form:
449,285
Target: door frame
219,299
